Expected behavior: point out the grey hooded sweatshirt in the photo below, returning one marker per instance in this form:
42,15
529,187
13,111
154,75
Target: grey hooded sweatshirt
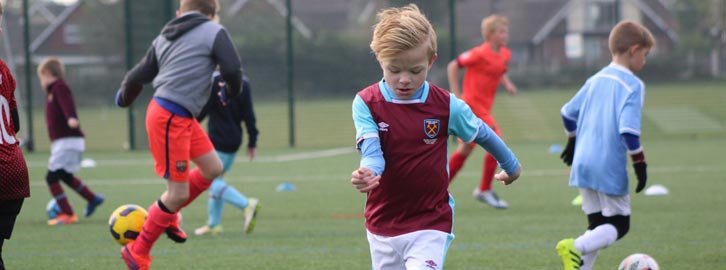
180,62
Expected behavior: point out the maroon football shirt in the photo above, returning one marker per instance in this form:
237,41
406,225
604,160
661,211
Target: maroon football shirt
13,170
413,192
59,107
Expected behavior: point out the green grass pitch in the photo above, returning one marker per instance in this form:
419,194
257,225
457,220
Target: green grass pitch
318,226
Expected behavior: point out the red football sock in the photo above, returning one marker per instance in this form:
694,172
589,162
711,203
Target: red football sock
455,164
60,198
156,222
197,185
490,166
82,189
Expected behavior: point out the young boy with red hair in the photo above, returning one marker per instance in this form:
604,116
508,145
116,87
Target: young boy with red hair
486,66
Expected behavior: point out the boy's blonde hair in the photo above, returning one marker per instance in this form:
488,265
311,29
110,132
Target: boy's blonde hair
53,65
206,7
627,34
490,24
401,29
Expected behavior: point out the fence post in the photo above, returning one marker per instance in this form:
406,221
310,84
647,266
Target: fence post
452,28
290,69
29,143
129,66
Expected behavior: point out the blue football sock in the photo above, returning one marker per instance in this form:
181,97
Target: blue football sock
234,197
215,204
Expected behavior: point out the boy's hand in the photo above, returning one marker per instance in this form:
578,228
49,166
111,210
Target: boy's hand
364,179
511,89
507,179
251,152
73,123
569,151
641,174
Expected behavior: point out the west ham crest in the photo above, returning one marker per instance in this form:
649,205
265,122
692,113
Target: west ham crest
432,127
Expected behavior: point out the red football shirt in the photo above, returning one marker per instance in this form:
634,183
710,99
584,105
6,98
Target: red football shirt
484,70
13,170
413,192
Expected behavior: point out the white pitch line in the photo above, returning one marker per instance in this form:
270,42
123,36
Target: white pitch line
242,159
345,177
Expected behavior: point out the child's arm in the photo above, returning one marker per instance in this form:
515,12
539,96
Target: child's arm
65,99
469,128
364,179
637,155
16,120
509,85
143,73
629,126
570,113
487,139
571,131
230,66
248,114
372,163
452,70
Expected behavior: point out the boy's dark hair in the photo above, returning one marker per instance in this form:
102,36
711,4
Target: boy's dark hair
627,34
1,8
52,65
206,7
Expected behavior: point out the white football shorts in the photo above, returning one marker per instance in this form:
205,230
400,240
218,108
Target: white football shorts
419,250
66,153
609,205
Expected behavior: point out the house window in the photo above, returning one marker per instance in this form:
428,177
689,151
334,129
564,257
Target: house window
72,34
601,15
593,50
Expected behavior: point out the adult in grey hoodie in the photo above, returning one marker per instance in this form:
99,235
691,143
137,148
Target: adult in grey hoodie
180,63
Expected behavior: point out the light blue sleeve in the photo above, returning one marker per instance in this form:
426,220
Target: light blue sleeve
571,109
365,127
372,155
462,121
367,141
630,115
470,128
489,140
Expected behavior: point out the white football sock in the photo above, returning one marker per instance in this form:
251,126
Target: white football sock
601,237
588,260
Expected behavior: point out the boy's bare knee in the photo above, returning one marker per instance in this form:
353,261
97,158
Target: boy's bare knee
213,172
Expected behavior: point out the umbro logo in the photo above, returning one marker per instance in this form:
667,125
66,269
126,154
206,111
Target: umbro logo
431,264
382,126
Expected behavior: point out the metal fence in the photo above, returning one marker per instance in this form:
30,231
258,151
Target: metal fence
319,51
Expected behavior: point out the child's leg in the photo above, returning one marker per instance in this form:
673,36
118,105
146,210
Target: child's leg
157,221
606,226
456,162
223,190
588,259
77,185
215,204
209,166
384,254
234,197
9,211
2,263
56,190
490,167
426,249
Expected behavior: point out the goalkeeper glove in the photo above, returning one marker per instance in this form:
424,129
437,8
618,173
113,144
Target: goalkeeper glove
569,151
641,174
